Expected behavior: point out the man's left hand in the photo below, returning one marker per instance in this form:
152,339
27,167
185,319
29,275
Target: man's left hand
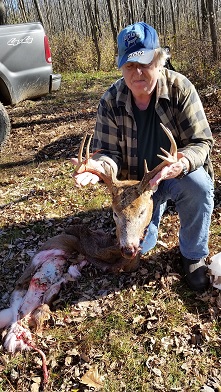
170,171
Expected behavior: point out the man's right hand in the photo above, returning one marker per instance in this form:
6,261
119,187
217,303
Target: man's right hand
82,179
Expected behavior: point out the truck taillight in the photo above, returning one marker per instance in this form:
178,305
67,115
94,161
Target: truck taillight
47,50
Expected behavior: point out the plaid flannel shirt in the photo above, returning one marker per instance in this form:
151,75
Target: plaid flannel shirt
179,108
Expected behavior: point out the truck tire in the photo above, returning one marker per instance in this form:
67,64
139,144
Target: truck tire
5,125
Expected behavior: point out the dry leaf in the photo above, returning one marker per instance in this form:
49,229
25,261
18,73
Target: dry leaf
68,360
138,319
92,378
36,380
35,387
157,372
166,342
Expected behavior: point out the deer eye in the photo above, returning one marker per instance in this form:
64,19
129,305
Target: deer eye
142,212
115,214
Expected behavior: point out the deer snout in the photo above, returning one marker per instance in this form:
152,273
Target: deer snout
129,252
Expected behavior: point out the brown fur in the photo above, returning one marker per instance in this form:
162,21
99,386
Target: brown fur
101,249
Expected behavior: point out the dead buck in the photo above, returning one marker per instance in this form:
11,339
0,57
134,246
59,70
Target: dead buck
132,203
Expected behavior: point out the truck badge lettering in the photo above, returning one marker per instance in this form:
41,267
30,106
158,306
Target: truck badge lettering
15,41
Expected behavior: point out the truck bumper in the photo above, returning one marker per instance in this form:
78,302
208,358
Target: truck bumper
55,82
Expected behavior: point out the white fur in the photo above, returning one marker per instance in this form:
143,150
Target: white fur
9,315
6,317
44,255
17,338
74,270
48,275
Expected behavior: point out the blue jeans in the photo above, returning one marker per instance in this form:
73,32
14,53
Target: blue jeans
194,200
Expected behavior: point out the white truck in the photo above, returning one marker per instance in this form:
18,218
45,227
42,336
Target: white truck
25,68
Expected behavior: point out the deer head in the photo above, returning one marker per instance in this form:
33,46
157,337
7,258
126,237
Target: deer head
132,203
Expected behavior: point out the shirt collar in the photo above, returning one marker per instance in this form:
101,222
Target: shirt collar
162,87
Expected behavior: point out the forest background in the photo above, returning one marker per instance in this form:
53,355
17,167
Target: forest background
83,33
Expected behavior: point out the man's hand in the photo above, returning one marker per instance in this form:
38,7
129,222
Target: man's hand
84,178
170,171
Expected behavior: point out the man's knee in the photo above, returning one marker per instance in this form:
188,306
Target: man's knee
198,184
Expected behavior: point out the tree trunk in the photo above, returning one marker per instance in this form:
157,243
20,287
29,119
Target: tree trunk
204,18
173,23
3,19
113,28
23,12
41,19
145,11
162,27
212,22
94,33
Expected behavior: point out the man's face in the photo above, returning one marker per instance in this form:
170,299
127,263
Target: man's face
141,79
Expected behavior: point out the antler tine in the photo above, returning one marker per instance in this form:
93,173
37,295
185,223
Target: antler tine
80,152
84,164
170,157
145,166
88,147
81,160
173,148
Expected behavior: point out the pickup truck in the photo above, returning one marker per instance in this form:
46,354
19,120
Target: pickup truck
25,68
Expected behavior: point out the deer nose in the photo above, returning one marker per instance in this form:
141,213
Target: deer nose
129,252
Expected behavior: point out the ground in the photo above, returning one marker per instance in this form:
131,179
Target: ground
143,331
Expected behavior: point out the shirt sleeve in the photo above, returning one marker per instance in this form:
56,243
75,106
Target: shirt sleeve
106,141
195,135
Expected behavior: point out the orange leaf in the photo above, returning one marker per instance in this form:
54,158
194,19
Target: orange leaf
92,378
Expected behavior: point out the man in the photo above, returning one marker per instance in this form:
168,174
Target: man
128,131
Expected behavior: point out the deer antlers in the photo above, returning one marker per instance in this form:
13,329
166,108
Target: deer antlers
84,164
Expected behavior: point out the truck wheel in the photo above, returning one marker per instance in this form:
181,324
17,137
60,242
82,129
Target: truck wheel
5,125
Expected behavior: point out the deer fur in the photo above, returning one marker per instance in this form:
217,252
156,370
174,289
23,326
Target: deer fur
98,248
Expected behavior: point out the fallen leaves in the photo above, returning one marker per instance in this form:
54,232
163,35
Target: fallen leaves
92,378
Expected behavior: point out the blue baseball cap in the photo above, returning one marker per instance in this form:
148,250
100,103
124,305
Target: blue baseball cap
137,43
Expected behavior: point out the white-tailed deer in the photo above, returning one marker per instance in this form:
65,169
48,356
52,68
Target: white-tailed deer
132,203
